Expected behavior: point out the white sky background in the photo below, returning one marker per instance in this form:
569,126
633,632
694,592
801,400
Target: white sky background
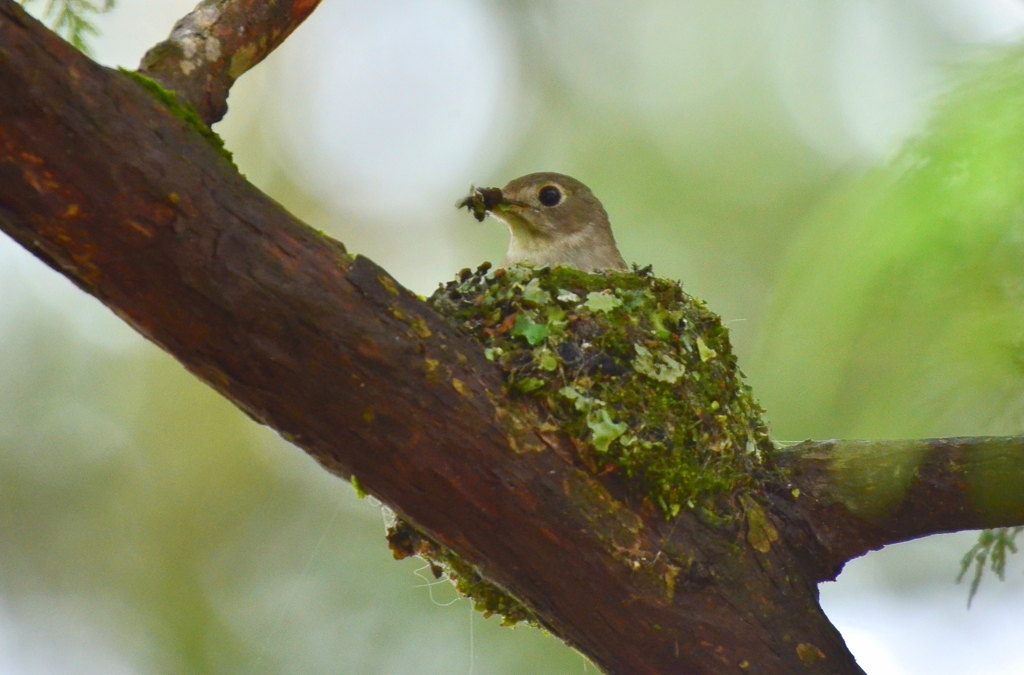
384,112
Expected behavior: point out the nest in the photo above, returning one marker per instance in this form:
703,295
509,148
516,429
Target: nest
637,376
640,375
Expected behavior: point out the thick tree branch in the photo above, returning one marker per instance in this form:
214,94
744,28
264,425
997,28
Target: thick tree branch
111,189
867,494
216,43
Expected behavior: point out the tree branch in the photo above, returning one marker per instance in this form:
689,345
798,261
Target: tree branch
216,43
106,185
868,494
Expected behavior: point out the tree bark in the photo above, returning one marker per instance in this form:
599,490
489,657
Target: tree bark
216,43
867,494
111,189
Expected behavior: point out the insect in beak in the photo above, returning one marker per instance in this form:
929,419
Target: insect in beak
482,200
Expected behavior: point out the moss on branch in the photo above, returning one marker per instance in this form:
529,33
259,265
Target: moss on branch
182,110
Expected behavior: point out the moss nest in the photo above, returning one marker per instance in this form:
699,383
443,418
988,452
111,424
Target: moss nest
639,375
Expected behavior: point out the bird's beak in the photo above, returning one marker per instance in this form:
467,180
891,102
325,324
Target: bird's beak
482,201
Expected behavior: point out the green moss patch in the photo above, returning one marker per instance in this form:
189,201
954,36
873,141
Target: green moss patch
406,541
181,110
639,372
641,377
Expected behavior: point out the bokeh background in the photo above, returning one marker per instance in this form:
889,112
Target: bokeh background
843,181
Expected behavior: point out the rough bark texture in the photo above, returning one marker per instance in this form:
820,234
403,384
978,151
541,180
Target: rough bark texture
867,494
114,191
216,43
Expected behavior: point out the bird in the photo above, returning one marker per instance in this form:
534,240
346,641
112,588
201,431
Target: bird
553,220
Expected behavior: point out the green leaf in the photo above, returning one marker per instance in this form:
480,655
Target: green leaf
547,360
669,370
533,332
659,318
556,315
71,19
602,301
570,392
580,401
533,293
567,296
603,430
706,353
529,384
992,546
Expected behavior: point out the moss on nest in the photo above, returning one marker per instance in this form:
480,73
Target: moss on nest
641,374
406,541
642,378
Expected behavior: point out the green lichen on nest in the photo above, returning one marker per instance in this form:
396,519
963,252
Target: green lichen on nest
641,374
182,110
406,541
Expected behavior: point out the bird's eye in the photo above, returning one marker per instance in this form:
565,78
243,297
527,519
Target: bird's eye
550,196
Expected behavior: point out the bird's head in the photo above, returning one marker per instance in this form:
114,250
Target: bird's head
554,219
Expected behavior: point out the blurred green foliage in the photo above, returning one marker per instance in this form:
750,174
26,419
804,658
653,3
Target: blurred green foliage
899,308
900,311
73,19
992,547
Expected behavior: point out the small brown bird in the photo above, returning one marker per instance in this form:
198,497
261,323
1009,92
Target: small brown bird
553,219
